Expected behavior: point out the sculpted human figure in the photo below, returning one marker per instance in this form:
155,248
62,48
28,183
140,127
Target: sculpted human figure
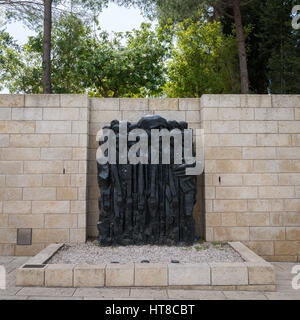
146,203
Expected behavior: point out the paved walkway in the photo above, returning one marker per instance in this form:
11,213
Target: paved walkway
283,280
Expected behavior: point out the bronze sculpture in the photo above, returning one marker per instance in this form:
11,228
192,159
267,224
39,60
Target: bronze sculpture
146,203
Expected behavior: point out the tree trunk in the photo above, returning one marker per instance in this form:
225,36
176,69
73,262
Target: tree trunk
241,46
47,46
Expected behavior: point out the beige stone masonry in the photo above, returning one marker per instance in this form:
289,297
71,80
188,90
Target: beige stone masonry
252,167
253,274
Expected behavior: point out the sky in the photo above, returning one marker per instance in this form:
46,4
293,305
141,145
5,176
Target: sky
113,18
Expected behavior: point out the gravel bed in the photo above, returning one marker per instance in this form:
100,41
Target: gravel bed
92,253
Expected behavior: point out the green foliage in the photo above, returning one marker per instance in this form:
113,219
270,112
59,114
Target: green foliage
128,65
202,61
279,46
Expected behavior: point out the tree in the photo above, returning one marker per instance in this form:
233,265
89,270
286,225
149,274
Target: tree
180,10
203,60
279,46
128,65
30,11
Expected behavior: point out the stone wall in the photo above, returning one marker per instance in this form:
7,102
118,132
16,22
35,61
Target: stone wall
43,152
252,167
252,172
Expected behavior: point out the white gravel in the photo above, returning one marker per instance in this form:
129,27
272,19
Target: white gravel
92,253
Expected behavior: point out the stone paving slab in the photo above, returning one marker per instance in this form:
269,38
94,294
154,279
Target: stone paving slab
102,292
150,293
196,294
244,295
40,291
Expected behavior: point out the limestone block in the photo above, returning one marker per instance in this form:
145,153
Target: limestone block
28,250
227,180
288,248
74,100
230,100
293,233
267,233
229,274
60,221
42,100
286,101
89,275
56,153
258,219
231,114
218,153
4,140
78,235
234,166
56,180
210,100
104,104
230,205
236,192
26,221
189,104
289,126
61,114
5,113
10,194
17,207
164,104
12,100
8,235
27,114
11,167
65,140
39,194
210,114
17,126
225,127
288,153
274,114
119,275
80,127
29,140
276,192
66,193
256,101
263,273
21,154
50,235
258,205
53,166
134,104
231,233
213,219
30,277
259,153
189,274
172,115
151,274
262,248
192,116
258,127
276,140
237,140
53,126
26,180
51,207
261,179
59,275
